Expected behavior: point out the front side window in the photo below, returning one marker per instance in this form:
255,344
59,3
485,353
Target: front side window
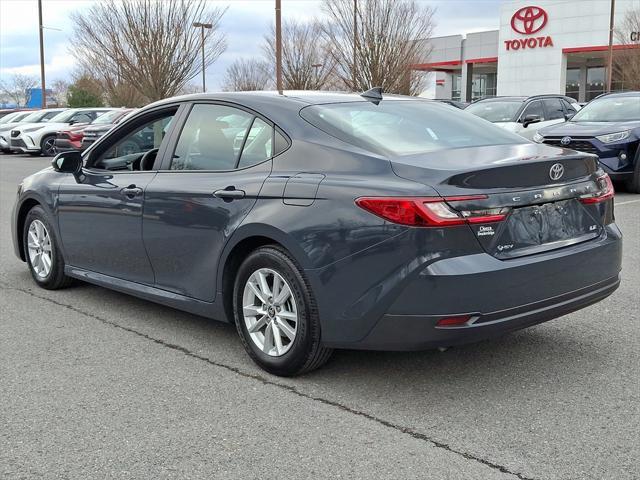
218,137
554,108
128,150
534,108
401,127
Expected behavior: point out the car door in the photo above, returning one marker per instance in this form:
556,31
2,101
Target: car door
100,214
202,193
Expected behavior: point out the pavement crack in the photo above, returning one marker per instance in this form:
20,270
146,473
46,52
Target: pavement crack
266,381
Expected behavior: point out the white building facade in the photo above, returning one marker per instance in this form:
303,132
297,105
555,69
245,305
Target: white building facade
542,46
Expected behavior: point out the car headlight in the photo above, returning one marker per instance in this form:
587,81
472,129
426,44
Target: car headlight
538,138
614,137
33,129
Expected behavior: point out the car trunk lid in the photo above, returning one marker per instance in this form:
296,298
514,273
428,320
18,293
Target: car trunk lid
518,199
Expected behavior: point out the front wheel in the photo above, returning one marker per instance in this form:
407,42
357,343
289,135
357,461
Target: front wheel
48,146
42,251
276,315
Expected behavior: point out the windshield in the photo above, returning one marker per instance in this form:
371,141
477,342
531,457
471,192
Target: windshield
610,109
63,117
496,111
9,118
405,127
109,117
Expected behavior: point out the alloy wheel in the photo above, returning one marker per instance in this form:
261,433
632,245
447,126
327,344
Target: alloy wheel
39,248
270,312
49,147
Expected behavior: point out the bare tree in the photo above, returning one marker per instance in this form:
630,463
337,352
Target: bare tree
149,45
18,88
59,91
626,60
306,62
246,75
389,38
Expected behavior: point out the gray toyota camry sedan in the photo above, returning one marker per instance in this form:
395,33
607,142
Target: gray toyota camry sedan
318,221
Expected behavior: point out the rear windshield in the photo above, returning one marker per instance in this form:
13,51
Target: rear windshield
403,127
496,111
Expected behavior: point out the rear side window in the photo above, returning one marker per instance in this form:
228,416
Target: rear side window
219,137
554,108
405,127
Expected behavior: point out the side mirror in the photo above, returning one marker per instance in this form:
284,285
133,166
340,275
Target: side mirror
68,162
569,116
529,119
72,122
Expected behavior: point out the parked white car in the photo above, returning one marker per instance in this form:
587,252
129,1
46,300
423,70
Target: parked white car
525,115
10,121
37,138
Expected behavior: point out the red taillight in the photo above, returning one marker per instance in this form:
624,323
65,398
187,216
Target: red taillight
424,211
453,321
75,136
605,193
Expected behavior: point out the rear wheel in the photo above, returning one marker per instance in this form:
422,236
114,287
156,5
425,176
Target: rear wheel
633,184
42,251
276,315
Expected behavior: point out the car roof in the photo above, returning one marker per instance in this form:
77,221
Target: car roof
619,94
294,96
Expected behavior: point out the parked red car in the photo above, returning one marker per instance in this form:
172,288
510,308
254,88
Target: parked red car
79,137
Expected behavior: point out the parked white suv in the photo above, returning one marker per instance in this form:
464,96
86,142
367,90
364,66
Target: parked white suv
17,119
37,138
525,115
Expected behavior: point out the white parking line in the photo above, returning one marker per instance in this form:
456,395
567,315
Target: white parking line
627,203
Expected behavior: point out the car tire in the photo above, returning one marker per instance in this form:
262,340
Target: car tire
293,356
39,236
47,146
633,183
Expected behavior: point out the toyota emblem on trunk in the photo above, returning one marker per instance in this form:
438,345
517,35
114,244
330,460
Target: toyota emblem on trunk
556,172
565,141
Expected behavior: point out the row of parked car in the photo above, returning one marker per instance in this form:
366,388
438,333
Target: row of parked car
54,130
608,126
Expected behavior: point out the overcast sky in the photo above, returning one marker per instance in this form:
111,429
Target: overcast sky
245,23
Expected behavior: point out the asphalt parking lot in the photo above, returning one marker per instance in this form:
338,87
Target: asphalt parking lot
96,384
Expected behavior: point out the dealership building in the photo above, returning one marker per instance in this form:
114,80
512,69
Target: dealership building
542,46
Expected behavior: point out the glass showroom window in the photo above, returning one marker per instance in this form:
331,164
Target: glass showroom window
595,82
572,88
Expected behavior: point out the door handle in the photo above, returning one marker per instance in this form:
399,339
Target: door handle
229,193
131,191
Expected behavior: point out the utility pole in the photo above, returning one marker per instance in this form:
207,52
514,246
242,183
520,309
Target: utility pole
355,42
316,67
202,26
41,31
278,46
610,59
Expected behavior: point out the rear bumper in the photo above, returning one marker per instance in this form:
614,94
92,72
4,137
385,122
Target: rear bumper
498,295
415,332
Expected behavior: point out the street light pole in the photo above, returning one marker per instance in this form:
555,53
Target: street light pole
278,46
202,26
42,79
610,59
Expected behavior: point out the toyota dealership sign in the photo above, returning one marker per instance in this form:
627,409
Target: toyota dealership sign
529,21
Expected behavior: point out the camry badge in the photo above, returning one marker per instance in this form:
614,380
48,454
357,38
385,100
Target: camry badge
556,172
565,141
